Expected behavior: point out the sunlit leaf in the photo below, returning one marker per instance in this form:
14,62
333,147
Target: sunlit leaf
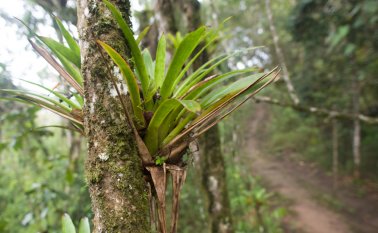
58,68
160,61
84,226
142,34
160,115
135,51
67,36
129,78
67,224
185,49
57,47
57,94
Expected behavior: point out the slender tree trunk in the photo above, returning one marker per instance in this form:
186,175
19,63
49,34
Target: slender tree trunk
356,129
335,152
113,169
214,182
280,55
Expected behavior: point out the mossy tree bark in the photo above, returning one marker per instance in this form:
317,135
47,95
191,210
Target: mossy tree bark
114,172
184,15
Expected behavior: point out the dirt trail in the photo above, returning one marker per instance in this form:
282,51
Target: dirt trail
300,185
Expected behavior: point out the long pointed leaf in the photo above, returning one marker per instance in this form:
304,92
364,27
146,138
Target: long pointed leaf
80,99
135,51
209,114
57,47
197,76
57,110
57,94
58,68
160,62
178,128
60,127
185,85
28,94
230,89
70,40
211,37
143,34
129,78
185,49
152,135
237,106
71,69
150,66
202,87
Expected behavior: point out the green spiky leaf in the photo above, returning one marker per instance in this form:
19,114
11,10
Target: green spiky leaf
69,39
160,61
185,49
67,224
84,226
142,34
152,134
135,51
129,78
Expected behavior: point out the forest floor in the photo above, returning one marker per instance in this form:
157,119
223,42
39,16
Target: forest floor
314,205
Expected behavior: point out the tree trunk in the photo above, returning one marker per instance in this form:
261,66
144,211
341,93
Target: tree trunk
356,128
280,55
214,182
335,153
113,169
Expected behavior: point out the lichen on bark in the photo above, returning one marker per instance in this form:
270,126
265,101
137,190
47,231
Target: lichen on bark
113,169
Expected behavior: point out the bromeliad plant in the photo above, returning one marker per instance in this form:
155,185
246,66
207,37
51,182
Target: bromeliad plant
170,105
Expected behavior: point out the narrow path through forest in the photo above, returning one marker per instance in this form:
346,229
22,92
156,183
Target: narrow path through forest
315,207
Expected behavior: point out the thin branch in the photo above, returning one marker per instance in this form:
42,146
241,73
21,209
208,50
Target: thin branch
319,111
